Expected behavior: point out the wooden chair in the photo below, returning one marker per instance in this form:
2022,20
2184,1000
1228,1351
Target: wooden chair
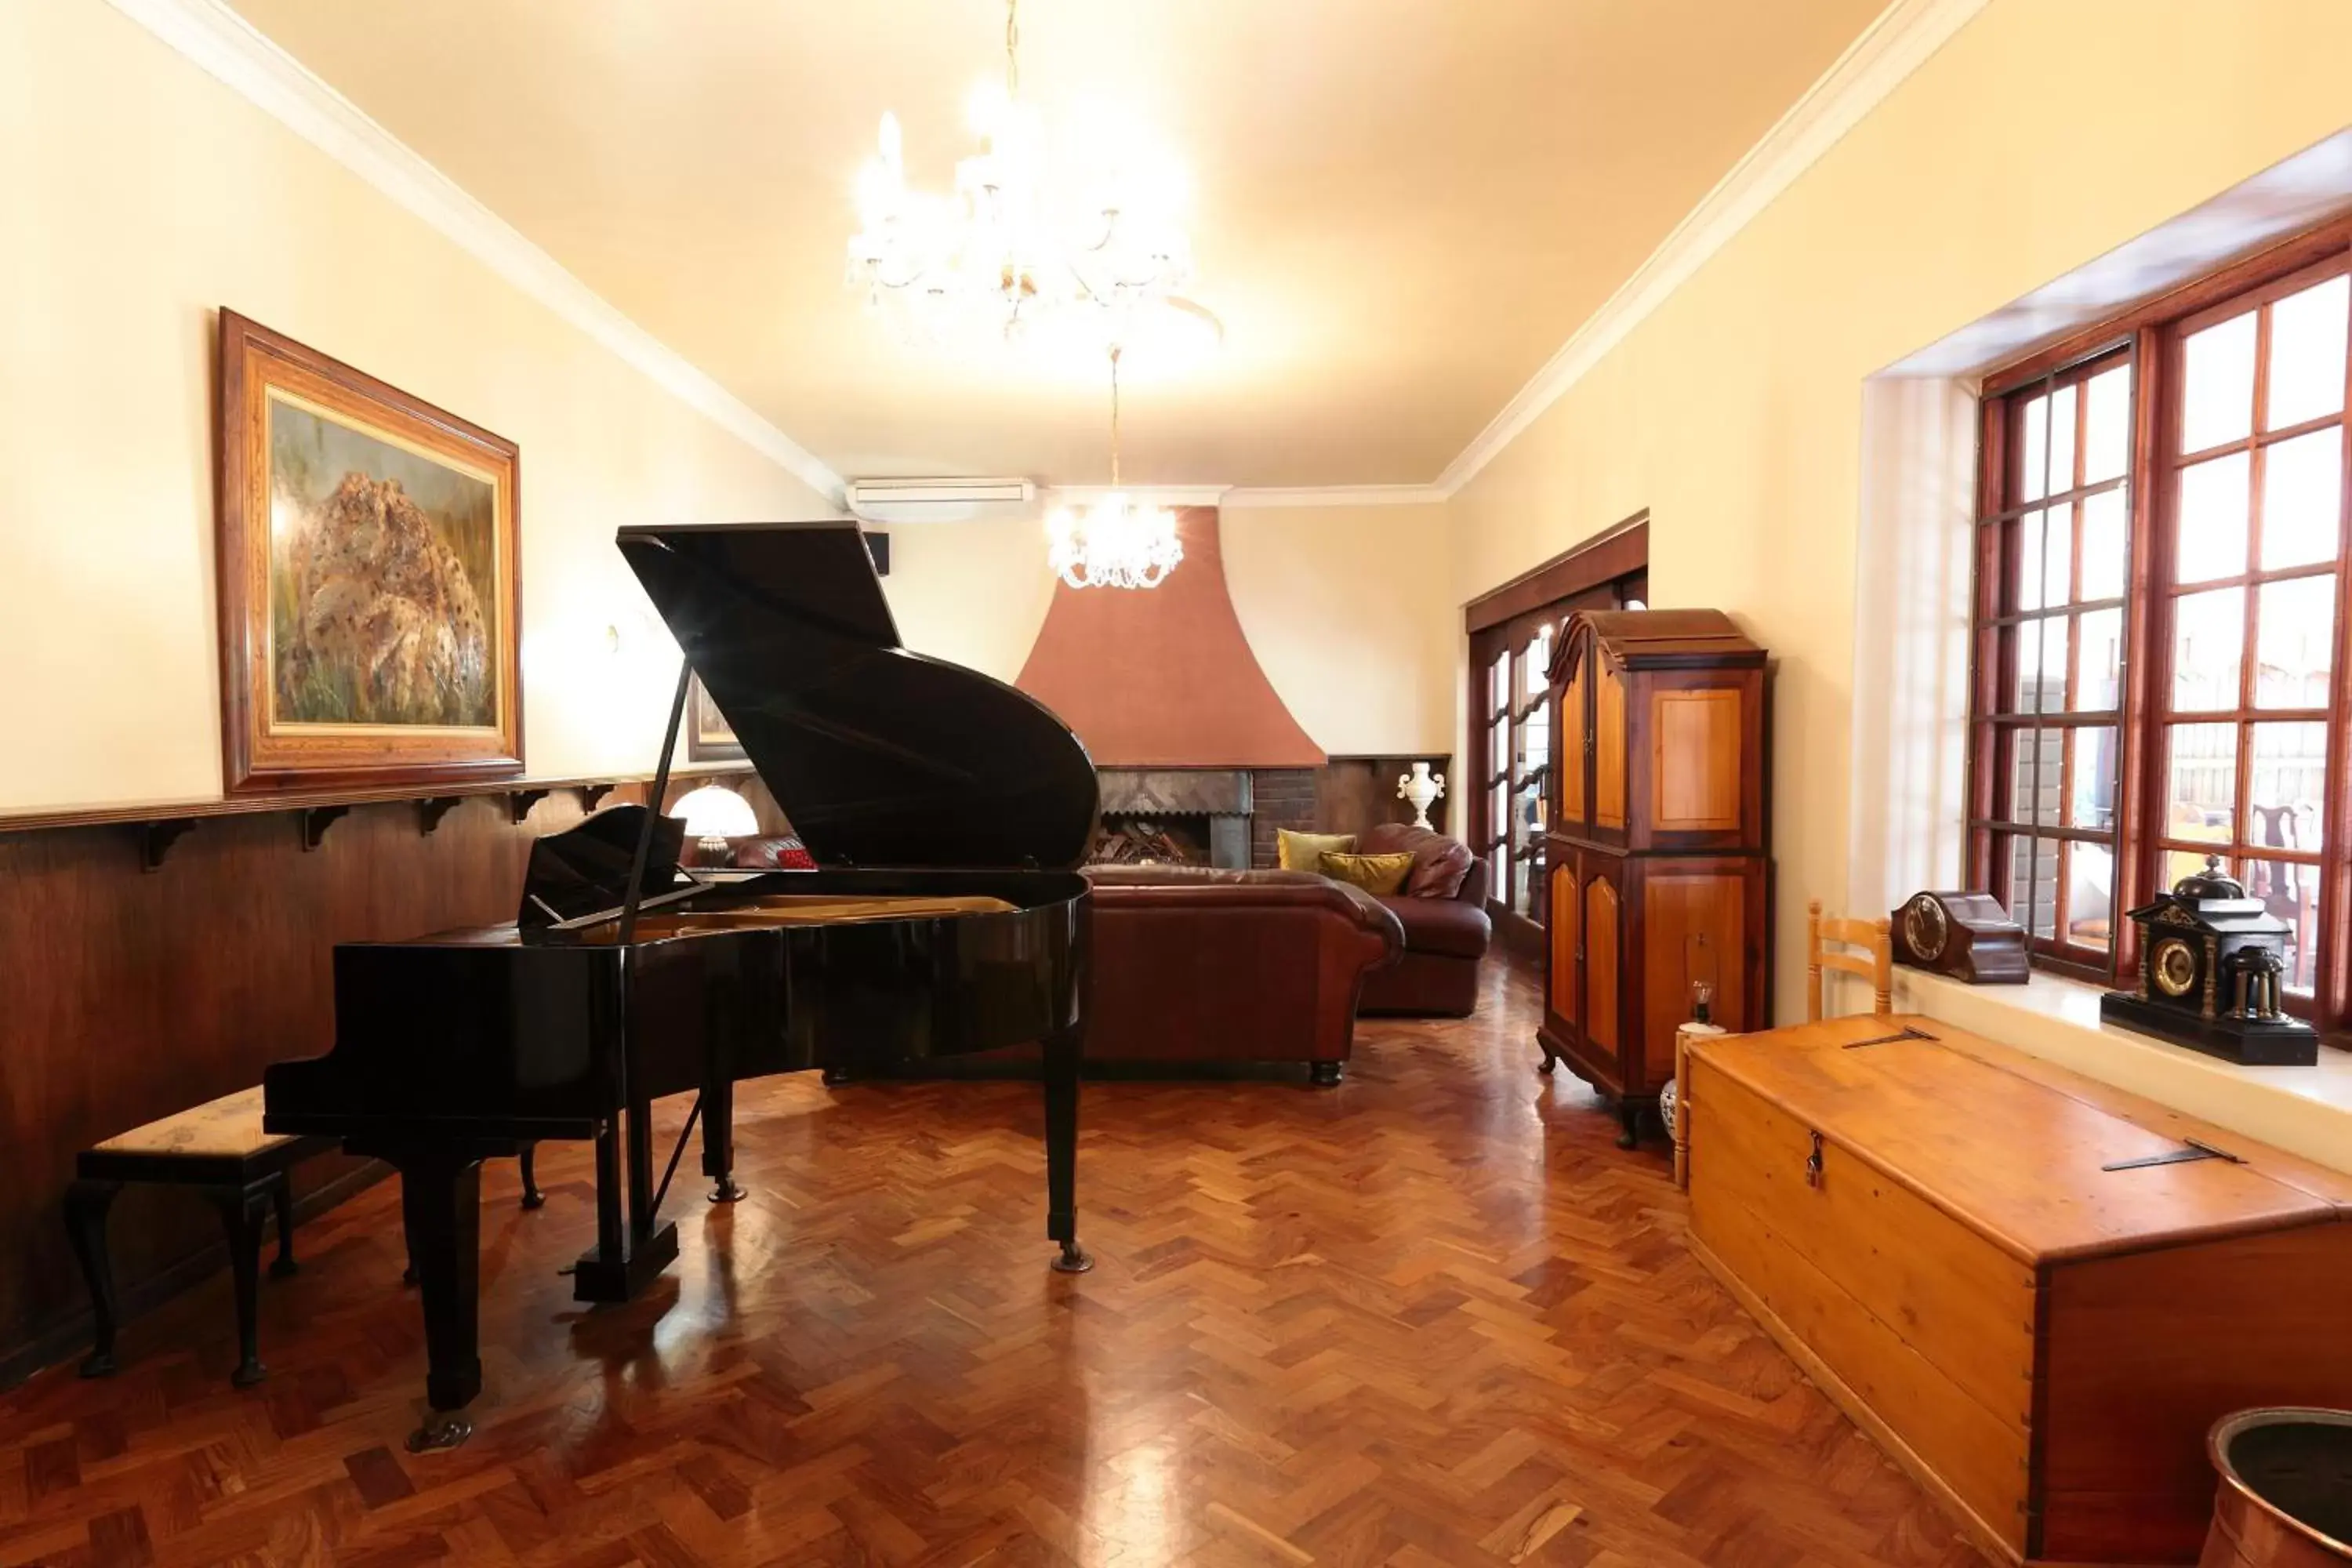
1878,968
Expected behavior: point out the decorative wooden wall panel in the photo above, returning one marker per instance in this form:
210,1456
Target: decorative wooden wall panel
1356,793
126,996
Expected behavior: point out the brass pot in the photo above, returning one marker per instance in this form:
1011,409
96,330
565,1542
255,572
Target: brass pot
2285,1494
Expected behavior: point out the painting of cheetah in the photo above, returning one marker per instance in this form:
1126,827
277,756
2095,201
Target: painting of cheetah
383,580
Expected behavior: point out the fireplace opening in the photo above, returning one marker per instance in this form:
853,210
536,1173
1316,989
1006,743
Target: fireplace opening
1131,840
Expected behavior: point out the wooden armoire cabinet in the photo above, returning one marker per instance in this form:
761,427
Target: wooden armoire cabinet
1657,840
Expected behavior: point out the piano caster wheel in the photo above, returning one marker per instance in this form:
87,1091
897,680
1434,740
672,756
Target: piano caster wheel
1324,1074
441,1432
729,1191
98,1363
534,1199
246,1376
1072,1261
833,1077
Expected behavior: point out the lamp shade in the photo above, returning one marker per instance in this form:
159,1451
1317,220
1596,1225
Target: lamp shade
714,811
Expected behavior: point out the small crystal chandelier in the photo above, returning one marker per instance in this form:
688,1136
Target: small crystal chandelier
1007,246
1117,542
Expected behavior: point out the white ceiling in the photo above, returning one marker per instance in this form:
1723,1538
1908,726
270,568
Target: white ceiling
1399,208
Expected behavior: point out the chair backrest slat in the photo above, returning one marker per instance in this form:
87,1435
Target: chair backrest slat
1878,967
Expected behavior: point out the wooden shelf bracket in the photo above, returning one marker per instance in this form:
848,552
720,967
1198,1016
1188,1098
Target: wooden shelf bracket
316,820
156,838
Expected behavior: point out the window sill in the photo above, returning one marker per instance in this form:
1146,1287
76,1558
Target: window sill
2304,1110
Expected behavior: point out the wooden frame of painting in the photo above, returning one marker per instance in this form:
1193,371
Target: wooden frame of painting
369,575
709,737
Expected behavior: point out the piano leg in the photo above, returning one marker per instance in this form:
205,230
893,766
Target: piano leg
718,1136
1062,1054
440,1203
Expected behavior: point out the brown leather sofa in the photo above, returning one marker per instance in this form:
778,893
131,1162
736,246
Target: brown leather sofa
1197,965
1446,934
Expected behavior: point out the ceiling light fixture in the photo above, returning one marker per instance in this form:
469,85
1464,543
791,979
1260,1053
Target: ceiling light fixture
1008,247
1118,542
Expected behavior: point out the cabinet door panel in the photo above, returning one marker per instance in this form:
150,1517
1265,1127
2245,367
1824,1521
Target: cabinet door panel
1695,765
1565,926
1694,927
1574,725
1600,964
1608,745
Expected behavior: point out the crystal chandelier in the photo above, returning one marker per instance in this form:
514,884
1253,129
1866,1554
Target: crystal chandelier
1117,542
1009,247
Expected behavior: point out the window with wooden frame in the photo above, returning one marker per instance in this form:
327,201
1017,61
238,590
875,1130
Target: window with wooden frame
2160,623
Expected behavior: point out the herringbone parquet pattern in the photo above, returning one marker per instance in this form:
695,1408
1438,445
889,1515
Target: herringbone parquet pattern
1431,1317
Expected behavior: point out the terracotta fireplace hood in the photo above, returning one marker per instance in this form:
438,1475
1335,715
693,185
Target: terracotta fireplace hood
1162,678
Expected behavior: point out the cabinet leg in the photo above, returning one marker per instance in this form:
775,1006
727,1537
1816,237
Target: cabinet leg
1549,1061
1628,1114
281,1200
86,1206
241,1211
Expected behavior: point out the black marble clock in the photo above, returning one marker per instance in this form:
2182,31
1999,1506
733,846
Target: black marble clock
2212,961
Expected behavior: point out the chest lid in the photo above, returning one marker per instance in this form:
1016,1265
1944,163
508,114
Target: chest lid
2047,1165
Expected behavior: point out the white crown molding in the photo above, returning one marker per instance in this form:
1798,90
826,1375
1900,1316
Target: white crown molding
1155,495
231,49
1901,40
1250,497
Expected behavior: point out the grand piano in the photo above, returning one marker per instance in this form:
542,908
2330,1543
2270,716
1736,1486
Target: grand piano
947,813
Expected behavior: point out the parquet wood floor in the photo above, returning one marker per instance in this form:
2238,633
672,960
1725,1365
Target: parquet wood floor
1430,1318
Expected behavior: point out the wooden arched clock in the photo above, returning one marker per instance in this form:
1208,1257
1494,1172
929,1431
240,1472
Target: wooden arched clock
1967,936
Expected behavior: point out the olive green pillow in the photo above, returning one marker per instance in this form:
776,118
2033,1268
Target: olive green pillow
1378,874
1305,851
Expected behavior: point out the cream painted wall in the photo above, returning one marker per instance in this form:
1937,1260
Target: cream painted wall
1351,614
1349,609
140,194
1734,412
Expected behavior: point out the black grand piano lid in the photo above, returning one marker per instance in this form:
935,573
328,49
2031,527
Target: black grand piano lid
880,756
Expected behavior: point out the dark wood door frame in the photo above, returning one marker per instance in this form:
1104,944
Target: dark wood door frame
1602,573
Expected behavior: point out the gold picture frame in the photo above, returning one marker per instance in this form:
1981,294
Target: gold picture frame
369,572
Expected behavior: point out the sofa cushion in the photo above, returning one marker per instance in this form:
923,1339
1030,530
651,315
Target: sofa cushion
1378,875
1439,863
1305,851
1447,926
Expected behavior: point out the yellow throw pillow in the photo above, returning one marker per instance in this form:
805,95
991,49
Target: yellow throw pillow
1305,851
1382,874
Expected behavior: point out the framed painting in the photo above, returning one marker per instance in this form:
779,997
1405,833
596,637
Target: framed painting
370,579
709,737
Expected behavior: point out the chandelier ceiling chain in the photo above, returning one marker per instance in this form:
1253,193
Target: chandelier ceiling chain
1117,542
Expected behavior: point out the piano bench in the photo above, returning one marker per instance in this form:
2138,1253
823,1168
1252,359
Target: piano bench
220,1149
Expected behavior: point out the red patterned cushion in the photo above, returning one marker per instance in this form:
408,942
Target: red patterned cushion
772,852
1439,863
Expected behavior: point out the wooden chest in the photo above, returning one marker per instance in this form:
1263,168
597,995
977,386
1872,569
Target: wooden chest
1937,1229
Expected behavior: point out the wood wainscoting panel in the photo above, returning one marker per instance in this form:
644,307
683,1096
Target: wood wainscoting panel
1600,989
1695,767
127,995
1608,745
1676,907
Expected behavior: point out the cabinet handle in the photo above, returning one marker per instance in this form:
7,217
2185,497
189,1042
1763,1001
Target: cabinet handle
1813,1164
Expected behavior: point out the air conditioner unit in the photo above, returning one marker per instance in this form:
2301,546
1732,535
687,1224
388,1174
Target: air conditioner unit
940,501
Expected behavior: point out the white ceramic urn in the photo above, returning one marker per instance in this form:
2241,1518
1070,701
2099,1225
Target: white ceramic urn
1420,787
